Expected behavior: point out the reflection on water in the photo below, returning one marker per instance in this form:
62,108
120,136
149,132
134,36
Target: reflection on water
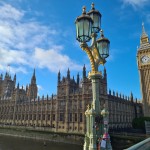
15,143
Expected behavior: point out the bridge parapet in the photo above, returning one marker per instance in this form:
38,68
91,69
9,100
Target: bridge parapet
143,145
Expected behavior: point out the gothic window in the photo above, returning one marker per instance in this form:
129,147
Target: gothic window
53,117
34,117
80,104
62,104
70,117
61,117
118,107
30,117
62,90
75,117
48,117
80,117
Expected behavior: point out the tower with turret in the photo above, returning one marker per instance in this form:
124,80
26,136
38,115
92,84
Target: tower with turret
7,85
67,85
32,89
143,61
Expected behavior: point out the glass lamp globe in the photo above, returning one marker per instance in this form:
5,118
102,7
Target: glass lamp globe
103,46
83,27
96,17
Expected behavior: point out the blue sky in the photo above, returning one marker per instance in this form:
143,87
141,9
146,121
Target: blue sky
41,34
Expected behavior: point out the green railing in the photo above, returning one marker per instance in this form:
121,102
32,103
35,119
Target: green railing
143,145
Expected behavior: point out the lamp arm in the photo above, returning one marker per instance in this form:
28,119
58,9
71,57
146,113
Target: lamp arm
95,52
94,43
91,58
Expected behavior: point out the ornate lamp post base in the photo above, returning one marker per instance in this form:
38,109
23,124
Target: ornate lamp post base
86,143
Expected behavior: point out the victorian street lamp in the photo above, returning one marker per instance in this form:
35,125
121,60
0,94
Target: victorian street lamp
88,26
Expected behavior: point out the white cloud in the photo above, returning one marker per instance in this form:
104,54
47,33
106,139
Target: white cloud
14,70
18,33
53,60
23,35
39,87
136,3
8,12
13,56
28,43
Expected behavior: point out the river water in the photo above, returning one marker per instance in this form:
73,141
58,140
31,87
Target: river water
16,143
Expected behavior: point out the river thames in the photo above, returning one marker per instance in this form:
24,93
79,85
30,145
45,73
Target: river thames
16,143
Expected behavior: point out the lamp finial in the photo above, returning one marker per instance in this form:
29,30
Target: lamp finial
92,6
102,33
83,10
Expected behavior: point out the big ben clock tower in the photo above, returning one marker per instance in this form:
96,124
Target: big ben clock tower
143,59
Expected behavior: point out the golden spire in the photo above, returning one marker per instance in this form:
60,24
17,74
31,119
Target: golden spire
144,36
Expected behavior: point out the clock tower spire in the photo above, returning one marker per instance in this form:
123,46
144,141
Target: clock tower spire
144,36
143,61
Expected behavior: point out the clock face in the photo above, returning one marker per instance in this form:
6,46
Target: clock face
145,59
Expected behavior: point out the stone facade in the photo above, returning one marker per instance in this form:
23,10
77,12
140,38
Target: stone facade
122,110
64,112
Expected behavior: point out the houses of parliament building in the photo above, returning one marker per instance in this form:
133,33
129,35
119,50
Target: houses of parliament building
65,111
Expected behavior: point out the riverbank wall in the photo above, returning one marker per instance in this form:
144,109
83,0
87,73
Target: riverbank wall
41,134
119,141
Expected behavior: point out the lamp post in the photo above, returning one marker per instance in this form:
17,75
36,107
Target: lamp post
88,26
